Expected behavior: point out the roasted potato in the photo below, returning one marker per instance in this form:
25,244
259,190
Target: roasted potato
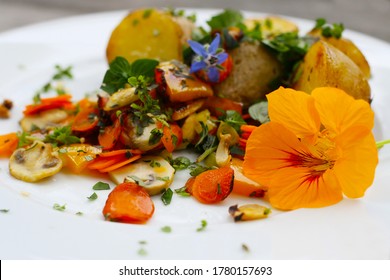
325,65
348,48
146,33
254,68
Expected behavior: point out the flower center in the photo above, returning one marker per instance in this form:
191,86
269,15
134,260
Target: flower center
211,60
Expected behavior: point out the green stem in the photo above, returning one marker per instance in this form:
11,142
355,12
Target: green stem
380,144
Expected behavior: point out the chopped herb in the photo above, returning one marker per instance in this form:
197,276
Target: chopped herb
79,213
329,30
4,210
142,242
135,22
88,158
142,252
155,136
182,191
154,163
58,207
167,196
259,112
147,13
166,229
236,150
99,186
165,178
93,196
196,169
137,180
62,136
219,191
203,226
180,163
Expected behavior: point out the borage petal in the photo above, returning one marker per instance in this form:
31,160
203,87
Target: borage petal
296,111
197,65
339,111
214,44
222,57
198,48
213,74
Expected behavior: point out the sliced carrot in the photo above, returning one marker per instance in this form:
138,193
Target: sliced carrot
172,137
85,120
247,128
213,186
101,163
49,103
120,164
8,144
121,152
128,203
110,135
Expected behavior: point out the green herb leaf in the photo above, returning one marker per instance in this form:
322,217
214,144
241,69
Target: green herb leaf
259,112
93,196
99,186
197,169
62,136
234,119
4,210
227,18
58,207
180,163
166,229
203,226
121,70
182,191
167,196
79,213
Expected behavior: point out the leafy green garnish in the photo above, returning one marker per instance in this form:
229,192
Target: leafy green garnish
99,186
121,70
4,210
166,229
329,30
182,191
58,207
180,163
203,225
62,136
233,118
93,196
259,111
197,169
166,197
227,18
79,213
60,74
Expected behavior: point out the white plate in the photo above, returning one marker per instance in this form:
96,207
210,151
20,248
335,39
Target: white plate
352,229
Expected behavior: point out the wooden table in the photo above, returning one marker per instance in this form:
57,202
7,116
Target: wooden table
367,16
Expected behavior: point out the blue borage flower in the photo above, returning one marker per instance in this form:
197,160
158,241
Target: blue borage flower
208,58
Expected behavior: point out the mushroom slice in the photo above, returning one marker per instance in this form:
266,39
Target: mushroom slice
34,163
153,173
121,98
44,120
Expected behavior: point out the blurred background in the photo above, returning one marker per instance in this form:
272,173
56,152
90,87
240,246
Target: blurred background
368,16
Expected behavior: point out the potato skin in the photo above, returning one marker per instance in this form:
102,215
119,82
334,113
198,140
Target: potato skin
325,65
349,49
254,68
146,33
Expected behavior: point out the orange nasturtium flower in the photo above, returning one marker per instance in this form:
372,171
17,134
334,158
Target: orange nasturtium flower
315,148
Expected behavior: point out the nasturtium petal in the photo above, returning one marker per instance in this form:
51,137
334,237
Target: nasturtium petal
296,111
355,169
269,149
292,188
340,111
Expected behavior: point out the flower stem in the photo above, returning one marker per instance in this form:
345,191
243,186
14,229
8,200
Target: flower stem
380,144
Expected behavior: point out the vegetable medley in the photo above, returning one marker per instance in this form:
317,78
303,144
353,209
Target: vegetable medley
172,85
